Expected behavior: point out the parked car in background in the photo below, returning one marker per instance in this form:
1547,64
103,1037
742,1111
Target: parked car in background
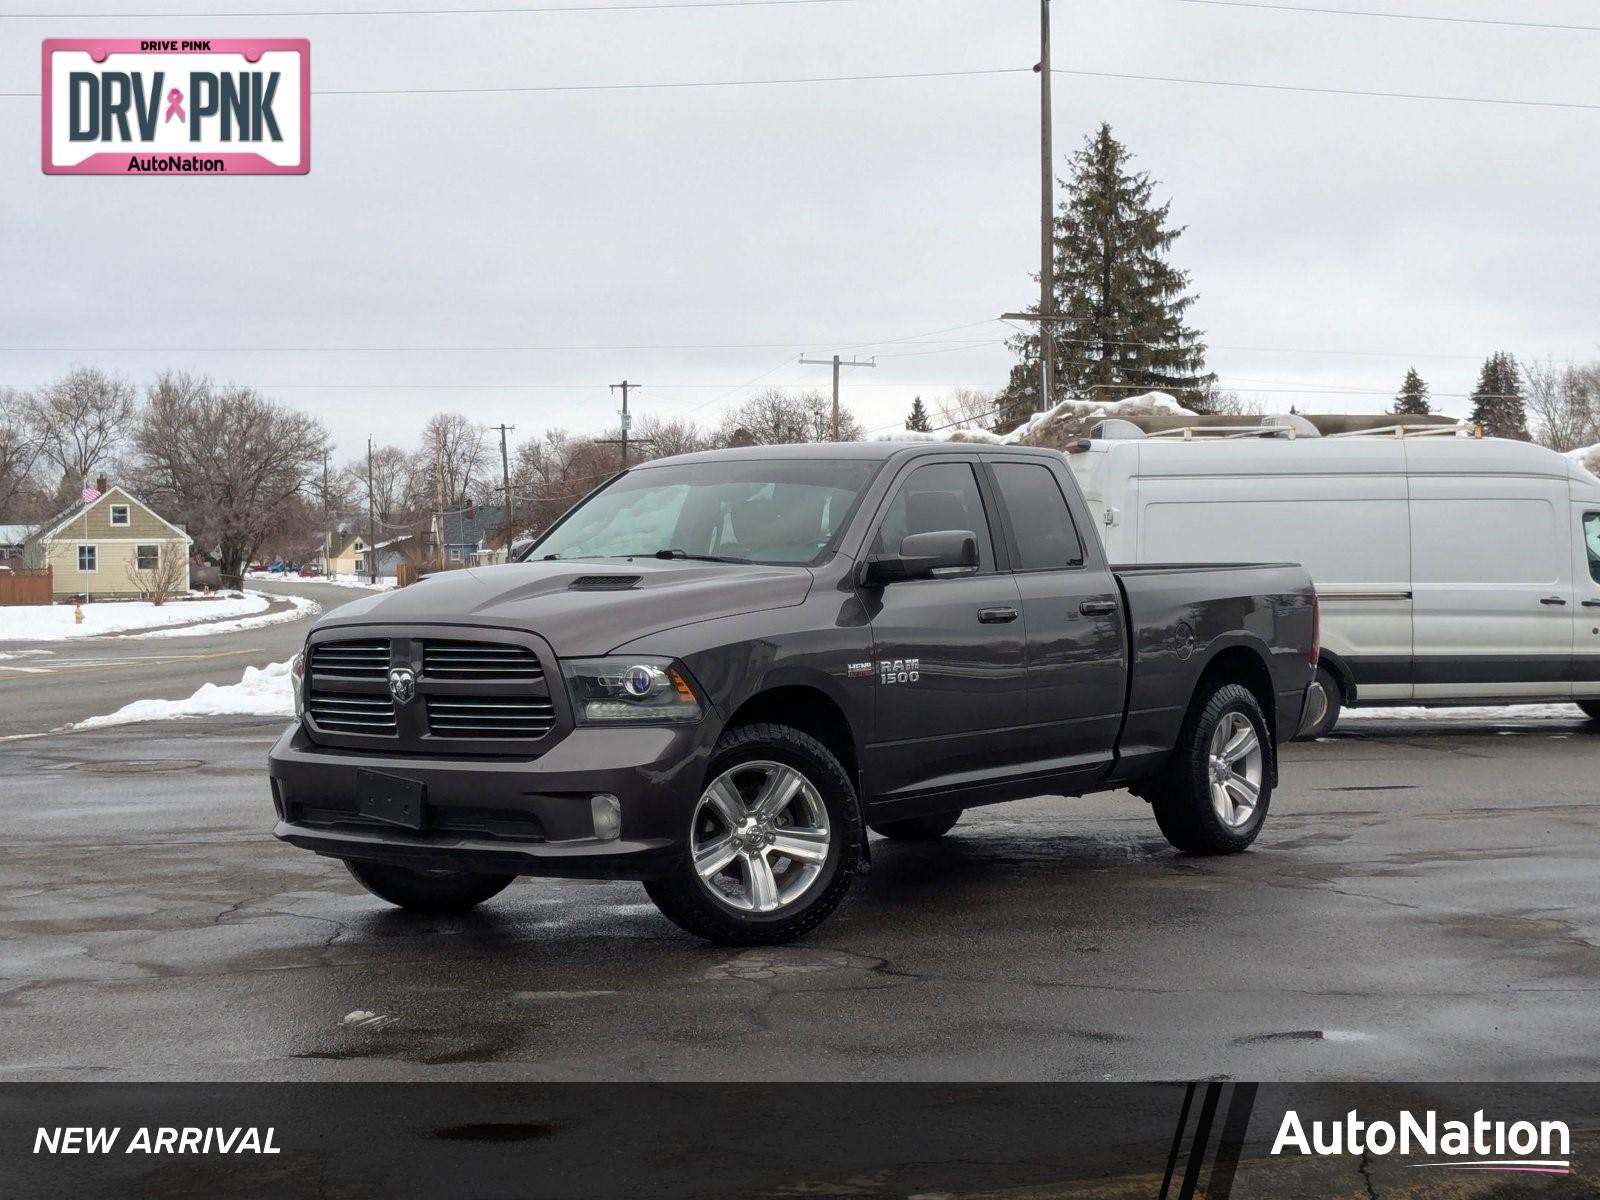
1452,570
719,670
309,571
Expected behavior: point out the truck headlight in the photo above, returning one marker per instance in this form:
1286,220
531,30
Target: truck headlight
629,690
297,684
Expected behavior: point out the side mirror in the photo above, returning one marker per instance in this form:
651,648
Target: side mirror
922,555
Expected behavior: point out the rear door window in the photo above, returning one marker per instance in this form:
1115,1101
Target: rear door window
1591,543
1046,536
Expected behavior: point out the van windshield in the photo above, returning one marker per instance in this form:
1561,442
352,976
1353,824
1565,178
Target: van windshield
755,510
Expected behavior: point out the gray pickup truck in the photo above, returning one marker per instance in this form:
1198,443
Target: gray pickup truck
718,671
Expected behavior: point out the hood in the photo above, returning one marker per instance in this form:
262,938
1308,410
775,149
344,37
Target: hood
538,597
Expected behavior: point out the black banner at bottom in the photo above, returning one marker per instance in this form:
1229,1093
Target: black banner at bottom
867,1141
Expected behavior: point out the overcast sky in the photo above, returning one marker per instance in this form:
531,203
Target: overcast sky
696,239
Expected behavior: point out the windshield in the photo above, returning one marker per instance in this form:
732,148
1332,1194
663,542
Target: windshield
762,511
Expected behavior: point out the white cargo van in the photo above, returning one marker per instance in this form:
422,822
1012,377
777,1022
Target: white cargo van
1451,570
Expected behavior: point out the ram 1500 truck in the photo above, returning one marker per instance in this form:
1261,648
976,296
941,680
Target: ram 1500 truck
719,670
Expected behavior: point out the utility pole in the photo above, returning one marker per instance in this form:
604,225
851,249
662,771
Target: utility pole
627,420
836,363
438,492
372,523
505,473
1047,240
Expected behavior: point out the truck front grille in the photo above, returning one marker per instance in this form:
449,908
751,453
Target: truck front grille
364,659
500,717
353,712
485,661
404,691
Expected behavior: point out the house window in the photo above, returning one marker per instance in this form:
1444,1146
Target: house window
455,553
149,557
88,559
119,514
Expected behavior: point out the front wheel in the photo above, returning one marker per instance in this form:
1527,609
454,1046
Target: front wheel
771,844
427,891
1213,795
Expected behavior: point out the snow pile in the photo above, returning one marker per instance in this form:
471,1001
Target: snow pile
361,581
301,607
1066,422
54,622
1480,714
262,692
1588,458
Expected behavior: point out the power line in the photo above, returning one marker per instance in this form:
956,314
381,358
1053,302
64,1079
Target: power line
1391,16
1329,91
664,5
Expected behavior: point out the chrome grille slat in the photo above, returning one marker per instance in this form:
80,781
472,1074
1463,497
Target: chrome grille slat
492,717
353,712
364,658
479,661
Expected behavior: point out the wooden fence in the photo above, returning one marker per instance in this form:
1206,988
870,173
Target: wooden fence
26,586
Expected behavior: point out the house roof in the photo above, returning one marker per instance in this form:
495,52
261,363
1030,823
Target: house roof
118,493
459,530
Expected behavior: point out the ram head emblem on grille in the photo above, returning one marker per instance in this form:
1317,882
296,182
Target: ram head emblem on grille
402,685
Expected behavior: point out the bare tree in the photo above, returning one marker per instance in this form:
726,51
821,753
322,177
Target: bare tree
1564,402
230,462
455,450
81,419
393,472
20,451
662,438
777,417
965,408
163,577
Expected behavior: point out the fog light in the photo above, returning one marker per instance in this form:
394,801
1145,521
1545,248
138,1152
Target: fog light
607,812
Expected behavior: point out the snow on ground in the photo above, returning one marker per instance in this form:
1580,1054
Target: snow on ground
349,581
302,607
262,692
54,622
1481,714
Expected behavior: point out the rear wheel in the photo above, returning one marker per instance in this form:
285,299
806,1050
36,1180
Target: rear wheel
917,829
1213,795
427,891
1324,703
1591,709
771,844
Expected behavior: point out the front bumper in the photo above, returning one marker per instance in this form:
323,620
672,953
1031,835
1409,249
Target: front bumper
503,815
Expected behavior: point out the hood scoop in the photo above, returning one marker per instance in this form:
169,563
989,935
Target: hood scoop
603,583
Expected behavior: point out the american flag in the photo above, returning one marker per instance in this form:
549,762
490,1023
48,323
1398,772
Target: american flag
90,495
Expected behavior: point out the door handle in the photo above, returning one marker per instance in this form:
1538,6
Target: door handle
1554,601
1591,603
998,615
1098,608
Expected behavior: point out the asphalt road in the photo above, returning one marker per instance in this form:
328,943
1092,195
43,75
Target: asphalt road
57,683
1421,906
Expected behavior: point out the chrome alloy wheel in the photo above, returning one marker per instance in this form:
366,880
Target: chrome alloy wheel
1235,768
760,837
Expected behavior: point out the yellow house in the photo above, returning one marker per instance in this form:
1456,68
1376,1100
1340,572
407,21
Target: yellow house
345,554
112,546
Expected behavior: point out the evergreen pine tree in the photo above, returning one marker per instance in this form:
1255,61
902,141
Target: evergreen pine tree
1413,398
1497,402
1124,301
918,420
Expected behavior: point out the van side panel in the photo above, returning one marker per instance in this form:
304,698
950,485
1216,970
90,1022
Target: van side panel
1351,531
1494,604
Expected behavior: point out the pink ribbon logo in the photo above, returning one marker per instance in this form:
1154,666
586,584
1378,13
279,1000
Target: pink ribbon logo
175,105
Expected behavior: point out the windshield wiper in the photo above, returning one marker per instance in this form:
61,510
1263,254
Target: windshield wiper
675,553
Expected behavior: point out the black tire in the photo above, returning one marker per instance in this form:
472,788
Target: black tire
1323,706
917,829
1591,709
427,891
687,900
1182,795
